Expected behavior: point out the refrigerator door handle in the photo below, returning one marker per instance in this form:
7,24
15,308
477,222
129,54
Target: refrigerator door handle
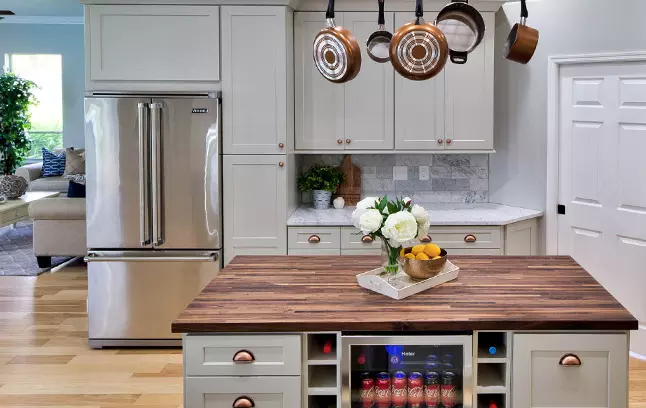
94,257
144,176
155,119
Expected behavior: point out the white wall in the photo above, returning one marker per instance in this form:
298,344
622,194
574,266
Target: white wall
55,39
518,169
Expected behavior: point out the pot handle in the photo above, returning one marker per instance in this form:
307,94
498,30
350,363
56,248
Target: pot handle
381,20
458,57
523,12
329,14
419,9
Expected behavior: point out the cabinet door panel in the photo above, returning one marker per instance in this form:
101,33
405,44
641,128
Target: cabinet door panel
369,99
256,42
469,97
255,208
320,109
419,112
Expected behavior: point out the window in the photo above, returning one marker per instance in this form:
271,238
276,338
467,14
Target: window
46,117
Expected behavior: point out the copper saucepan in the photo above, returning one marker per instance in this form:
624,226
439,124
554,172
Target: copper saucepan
418,50
337,55
522,40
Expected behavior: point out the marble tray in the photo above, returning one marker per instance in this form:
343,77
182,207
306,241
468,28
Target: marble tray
402,286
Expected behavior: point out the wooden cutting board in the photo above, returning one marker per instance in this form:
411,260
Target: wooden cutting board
350,188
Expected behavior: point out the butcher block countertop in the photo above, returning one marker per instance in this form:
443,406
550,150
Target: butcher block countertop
298,293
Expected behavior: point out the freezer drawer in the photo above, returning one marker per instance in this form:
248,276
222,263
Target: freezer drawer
136,295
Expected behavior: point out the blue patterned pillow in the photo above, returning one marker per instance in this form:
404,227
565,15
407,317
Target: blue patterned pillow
53,164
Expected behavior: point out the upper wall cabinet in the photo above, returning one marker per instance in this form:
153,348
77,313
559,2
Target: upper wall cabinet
257,80
152,48
358,115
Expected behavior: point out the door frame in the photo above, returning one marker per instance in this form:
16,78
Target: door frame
555,63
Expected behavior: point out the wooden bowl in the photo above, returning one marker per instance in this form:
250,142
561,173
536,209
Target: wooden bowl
421,270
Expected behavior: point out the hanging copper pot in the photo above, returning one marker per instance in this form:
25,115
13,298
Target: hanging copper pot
463,27
337,55
522,40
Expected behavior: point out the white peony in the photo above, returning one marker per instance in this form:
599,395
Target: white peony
400,228
362,206
370,221
423,229
407,200
420,214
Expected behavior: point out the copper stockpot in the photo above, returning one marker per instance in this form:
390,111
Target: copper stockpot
418,50
337,55
522,40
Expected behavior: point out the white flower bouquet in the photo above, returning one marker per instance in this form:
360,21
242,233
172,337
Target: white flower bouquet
396,222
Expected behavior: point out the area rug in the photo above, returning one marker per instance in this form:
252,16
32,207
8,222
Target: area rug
17,254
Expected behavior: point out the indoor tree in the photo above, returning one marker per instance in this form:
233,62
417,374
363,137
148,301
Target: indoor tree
16,95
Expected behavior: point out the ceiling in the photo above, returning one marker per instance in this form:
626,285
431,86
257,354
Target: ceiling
43,7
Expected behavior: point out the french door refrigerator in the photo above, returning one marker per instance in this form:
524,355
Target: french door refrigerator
154,219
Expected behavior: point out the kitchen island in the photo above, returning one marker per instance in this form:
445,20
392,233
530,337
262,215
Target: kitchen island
300,332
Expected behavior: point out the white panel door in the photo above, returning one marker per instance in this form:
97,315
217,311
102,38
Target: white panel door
469,97
255,205
256,48
602,177
419,112
369,99
320,106
146,43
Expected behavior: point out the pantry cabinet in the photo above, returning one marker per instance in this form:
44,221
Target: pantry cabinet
152,48
257,80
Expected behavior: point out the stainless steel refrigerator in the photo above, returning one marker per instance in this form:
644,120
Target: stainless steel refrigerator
154,212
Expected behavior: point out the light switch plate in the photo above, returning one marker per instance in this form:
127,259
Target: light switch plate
400,173
423,173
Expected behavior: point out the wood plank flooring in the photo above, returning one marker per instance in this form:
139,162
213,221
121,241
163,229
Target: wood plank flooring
45,361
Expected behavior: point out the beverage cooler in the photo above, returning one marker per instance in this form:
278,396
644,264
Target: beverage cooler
407,372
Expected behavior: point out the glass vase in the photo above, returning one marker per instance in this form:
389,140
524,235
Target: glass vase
389,255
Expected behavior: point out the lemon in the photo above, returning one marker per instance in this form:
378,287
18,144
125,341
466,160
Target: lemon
437,257
422,257
409,256
432,250
402,253
418,249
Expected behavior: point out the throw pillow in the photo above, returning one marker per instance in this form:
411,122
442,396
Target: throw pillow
76,190
53,164
74,161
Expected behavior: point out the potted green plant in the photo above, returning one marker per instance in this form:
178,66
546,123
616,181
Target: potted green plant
322,181
16,95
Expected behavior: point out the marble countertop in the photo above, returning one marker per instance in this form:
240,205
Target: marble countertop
441,214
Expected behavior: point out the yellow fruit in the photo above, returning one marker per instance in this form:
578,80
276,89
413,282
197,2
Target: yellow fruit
437,257
402,253
422,257
409,256
418,249
432,250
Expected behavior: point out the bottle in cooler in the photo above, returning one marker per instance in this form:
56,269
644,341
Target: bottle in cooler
382,390
367,396
432,389
415,390
448,390
399,390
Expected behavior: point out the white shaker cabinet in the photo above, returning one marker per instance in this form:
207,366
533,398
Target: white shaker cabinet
152,48
257,79
256,205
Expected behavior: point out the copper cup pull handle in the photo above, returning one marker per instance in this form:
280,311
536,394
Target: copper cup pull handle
281,145
426,239
243,356
470,238
570,360
314,239
366,239
243,402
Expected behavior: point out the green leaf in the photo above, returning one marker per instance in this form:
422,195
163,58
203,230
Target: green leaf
320,177
392,207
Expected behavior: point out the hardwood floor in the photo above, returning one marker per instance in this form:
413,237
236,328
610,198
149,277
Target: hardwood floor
45,361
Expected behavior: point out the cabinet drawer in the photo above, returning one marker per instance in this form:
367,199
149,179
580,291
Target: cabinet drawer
272,355
222,392
352,238
541,381
477,251
375,251
313,251
7,216
313,238
466,237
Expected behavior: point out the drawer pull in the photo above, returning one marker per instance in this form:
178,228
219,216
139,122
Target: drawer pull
314,239
470,238
426,239
243,402
366,239
570,360
243,356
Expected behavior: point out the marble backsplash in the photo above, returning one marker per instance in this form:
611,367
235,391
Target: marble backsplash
453,178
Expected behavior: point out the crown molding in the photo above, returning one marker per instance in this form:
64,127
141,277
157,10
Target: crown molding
41,20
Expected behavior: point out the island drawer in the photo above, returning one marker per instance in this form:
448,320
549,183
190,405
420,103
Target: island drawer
353,239
466,237
224,392
570,370
248,355
314,238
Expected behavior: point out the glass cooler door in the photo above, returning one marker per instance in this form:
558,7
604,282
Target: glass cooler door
407,372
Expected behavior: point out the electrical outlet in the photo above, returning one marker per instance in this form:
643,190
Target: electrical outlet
400,173
423,173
